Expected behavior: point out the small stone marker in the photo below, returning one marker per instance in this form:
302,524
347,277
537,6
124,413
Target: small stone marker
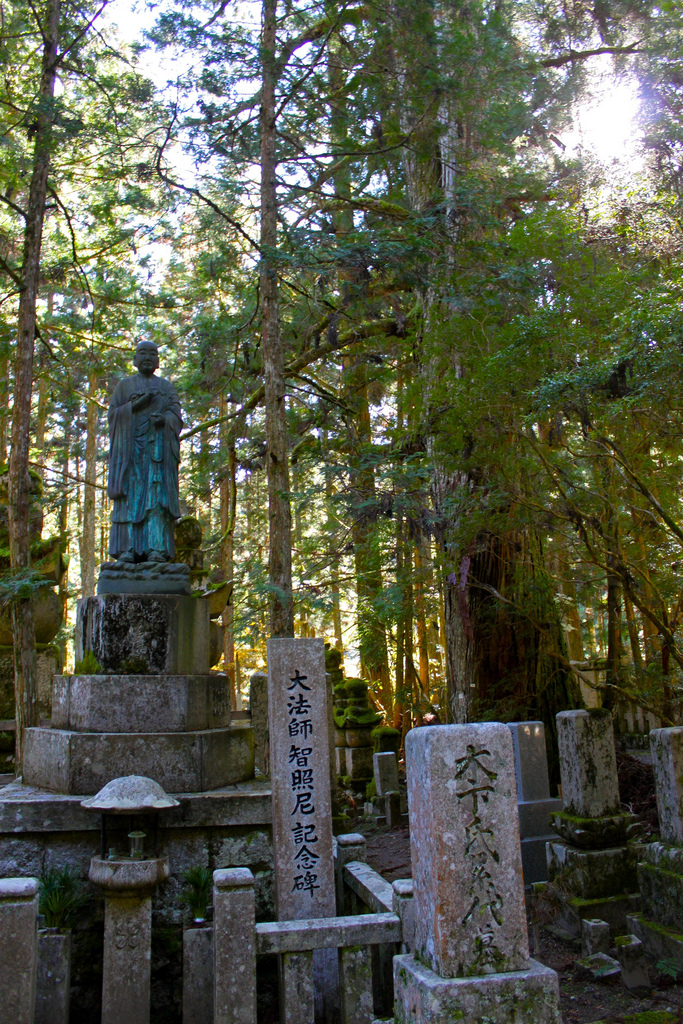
465,849
633,962
588,763
385,770
667,763
300,779
198,976
258,706
594,936
53,989
18,949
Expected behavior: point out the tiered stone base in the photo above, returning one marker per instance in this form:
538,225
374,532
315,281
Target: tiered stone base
516,997
660,925
63,761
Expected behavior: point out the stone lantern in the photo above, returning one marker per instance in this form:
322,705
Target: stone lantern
128,882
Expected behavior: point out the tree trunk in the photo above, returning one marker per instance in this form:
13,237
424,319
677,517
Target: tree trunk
228,496
279,509
90,492
25,690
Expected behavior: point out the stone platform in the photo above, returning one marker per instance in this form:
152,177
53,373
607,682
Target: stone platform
64,761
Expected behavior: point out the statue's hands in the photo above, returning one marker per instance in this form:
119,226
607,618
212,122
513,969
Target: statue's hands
142,401
159,420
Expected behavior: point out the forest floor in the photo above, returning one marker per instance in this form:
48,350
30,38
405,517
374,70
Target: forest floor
388,852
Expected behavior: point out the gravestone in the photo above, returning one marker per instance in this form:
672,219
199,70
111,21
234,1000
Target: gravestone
301,797
592,852
471,960
385,770
660,872
534,804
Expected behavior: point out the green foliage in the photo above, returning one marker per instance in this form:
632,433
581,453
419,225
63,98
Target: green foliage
19,585
669,968
61,897
88,665
197,893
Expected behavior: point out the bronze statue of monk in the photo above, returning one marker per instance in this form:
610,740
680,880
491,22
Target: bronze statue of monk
144,455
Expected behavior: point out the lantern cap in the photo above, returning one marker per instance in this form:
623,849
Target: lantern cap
131,794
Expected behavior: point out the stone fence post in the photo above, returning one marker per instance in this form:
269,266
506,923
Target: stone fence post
234,947
18,949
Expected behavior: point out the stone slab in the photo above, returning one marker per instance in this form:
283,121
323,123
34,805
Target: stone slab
535,815
168,634
534,859
357,763
612,909
234,947
661,895
53,989
661,943
134,703
531,760
385,771
593,873
300,779
29,809
126,972
198,976
258,706
530,996
588,764
465,849
667,763
78,762
144,578
327,933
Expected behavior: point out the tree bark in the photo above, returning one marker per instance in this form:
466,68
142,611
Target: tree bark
89,492
228,496
25,690
279,508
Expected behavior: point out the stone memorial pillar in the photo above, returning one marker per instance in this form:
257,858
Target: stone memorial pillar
534,805
471,960
592,852
198,975
18,949
660,874
302,808
53,987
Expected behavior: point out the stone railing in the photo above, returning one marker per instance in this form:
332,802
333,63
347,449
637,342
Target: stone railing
353,952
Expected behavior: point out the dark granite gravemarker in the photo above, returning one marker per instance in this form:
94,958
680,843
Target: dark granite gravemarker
144,455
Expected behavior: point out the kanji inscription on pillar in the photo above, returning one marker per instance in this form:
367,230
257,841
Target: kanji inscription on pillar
300,779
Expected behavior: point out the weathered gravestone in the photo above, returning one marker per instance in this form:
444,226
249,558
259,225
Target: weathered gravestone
660,873
471,959
258,707
302,809
534,804
592,855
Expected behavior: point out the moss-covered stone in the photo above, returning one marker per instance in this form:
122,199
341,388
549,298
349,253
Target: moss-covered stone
661,892
593,833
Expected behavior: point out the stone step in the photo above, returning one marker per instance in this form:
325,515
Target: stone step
64,761
140,703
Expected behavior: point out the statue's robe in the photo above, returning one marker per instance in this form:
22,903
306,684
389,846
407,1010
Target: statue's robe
143,468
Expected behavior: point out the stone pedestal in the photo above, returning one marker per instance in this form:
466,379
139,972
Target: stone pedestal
592,853
128,887
471,960
18,948
168,720
660,872
534,804
157,633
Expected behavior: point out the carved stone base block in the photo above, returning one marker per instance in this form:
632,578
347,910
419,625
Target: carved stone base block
144,578
145,633
515,997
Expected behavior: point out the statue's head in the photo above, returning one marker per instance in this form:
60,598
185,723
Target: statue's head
147,358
